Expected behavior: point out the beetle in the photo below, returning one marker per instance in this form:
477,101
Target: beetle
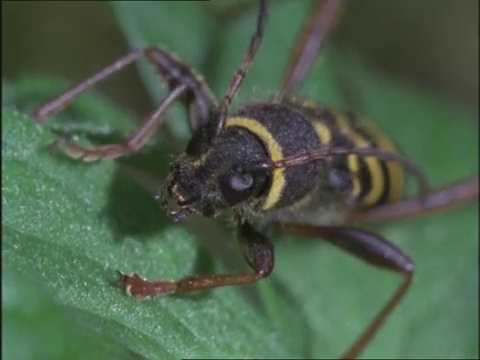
294,163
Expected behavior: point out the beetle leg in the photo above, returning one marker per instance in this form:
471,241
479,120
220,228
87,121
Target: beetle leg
373,249
135,141
310,41
257,251
184,85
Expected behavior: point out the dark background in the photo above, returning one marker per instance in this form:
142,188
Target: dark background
431,42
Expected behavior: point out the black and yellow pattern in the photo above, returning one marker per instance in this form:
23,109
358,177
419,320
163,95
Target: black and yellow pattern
294,127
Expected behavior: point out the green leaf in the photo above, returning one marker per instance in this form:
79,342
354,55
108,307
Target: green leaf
70,225
35,327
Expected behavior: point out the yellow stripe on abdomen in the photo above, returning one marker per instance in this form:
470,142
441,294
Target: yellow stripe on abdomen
275,151
394,169
374,165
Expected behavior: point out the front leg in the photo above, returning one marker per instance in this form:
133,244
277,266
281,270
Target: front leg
256,248
184,85
134,142
374,250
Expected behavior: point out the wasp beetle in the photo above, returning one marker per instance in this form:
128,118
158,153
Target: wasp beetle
291,162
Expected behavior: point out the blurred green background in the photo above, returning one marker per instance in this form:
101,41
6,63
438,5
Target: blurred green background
432,42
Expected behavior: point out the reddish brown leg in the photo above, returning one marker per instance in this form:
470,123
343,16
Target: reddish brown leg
50,108
184,85
311,39
256,248
461,193
373,249
135,141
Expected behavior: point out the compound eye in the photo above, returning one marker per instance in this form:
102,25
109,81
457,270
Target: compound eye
236,185
241,182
